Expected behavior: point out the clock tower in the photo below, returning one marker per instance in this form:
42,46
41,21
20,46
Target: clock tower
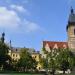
71,30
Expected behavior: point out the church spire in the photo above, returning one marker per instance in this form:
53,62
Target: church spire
3,37
72,11
10,43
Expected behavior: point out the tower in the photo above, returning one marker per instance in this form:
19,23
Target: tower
71,30
2,38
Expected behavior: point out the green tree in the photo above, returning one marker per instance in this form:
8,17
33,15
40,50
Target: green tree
51,56
26,61
43,62
4,57
65,59
50,60
59,59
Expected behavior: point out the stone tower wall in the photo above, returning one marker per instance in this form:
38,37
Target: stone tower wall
71,37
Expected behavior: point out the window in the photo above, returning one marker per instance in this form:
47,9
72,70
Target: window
16,55
13,55
35,56
74,31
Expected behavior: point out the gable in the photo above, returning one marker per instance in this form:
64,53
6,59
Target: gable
47,47
55,46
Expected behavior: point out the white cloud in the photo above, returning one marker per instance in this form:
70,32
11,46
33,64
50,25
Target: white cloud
8,18
31,26
18,8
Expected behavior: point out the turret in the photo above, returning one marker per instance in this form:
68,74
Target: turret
71,30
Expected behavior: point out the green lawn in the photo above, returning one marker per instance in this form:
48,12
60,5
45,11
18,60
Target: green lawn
21,74
66,74
32,74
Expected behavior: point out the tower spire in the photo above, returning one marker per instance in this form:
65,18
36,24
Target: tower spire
3,37
72,11
10,43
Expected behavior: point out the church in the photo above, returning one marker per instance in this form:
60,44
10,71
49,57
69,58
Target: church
70,28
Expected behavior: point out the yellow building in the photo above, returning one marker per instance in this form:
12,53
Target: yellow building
36,56
15,55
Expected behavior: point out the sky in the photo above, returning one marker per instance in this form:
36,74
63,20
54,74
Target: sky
27,23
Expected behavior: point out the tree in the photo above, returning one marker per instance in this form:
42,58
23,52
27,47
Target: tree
26,62
59,59
4,57
43,62
50,61
65,59
52,65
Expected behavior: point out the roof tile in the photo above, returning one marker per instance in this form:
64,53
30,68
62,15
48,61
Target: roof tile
51,44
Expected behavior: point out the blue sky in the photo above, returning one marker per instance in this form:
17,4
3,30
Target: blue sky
29,22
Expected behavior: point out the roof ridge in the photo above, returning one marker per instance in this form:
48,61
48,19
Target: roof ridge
55,41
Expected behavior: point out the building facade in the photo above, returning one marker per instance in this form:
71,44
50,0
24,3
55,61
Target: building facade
36,56
53,46
14,52
71,31
15,55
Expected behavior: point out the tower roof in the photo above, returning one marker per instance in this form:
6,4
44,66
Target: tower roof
72,16
71,20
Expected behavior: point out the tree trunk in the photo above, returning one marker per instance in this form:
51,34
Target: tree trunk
64,72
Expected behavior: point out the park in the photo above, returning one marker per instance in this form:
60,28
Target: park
37,37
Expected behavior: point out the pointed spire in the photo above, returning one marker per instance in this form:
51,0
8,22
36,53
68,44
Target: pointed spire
3,37
10,44
72,11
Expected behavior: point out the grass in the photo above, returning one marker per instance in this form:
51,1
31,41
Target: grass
34,74
12,73
29,74
66,74
21,74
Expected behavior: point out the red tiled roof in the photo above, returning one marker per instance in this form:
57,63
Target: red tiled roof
51,44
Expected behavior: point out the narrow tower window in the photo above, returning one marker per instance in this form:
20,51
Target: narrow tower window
74,31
